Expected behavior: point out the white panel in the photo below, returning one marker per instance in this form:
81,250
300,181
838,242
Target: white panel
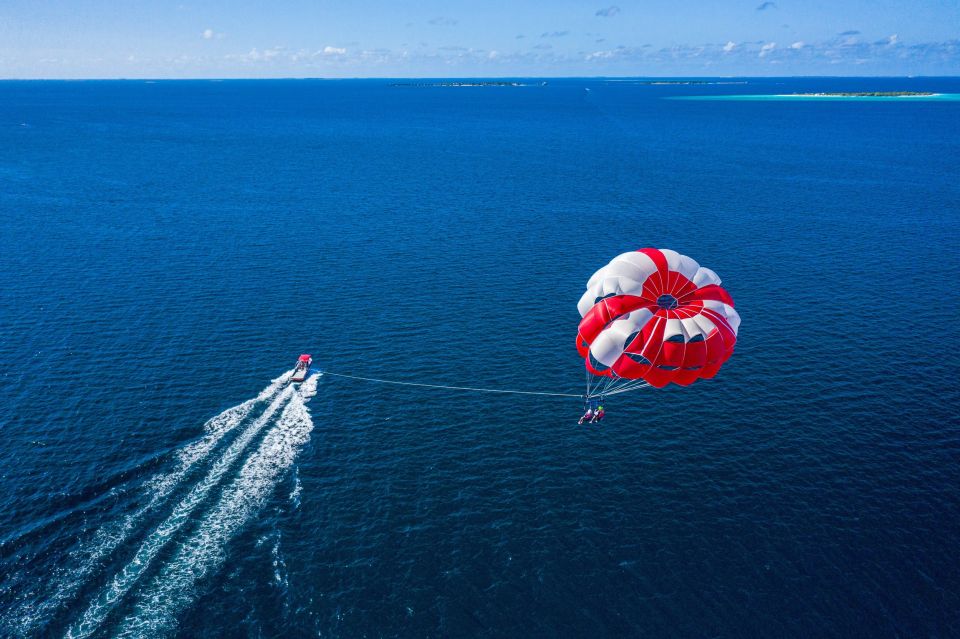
609,345
716,305
673,259
610,286
674,327
706,324
691,329
638,259
589,298
621,286
606,287
705,276
688,267
636,320
635,265
586,302
596,277
733,318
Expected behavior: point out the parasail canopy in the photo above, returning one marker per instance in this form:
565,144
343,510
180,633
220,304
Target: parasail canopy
652,317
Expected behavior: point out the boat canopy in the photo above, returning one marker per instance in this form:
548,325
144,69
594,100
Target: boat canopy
304,358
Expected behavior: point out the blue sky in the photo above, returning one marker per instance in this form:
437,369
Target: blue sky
367,38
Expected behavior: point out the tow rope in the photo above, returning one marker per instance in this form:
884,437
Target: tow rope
463,388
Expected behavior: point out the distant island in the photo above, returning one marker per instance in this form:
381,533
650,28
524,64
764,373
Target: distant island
865,94
477,83
654,82
672,82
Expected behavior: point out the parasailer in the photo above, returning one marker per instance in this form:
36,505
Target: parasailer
653,317
598,415
587,416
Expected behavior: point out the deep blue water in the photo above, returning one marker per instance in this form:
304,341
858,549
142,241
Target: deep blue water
168,248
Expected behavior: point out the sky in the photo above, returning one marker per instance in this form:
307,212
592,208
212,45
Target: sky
494,38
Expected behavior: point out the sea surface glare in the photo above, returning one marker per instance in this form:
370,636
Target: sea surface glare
167,249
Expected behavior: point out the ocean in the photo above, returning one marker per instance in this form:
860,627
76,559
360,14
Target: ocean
168,249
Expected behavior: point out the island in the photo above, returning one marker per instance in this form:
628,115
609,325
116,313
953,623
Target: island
475,83
671,82
866,94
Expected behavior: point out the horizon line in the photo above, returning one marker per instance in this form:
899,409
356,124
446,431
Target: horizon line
462,77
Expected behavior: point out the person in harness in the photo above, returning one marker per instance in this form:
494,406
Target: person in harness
587,416
598,414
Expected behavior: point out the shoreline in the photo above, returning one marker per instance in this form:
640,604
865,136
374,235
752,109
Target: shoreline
858,95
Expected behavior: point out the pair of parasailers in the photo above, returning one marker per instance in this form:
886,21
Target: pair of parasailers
593,414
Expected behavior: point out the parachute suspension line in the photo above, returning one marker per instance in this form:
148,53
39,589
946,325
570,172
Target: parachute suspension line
632,385
602,386
463,388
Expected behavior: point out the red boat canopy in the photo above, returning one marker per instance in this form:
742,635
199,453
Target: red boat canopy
304,358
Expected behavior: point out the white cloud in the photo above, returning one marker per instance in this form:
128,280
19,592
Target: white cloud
210,34
726,55
893,39
600,55
258,55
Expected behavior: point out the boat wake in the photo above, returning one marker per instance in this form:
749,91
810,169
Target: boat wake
173,588
215,486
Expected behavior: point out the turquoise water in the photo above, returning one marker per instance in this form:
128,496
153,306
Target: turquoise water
937,97
169,248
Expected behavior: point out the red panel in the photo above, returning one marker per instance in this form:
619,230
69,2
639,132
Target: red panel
658,377
583,346
681,287
651,288
653,338
673,353
630,369
660,279
695,355
689,310
685,377
726,331
713,292
604,312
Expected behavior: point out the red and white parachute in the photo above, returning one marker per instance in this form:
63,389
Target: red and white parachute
652,317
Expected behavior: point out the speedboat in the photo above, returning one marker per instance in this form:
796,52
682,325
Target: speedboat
302,369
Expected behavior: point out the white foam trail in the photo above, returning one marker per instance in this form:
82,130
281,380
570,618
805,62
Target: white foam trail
121,583
90,556
294,496
173,588
309,387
